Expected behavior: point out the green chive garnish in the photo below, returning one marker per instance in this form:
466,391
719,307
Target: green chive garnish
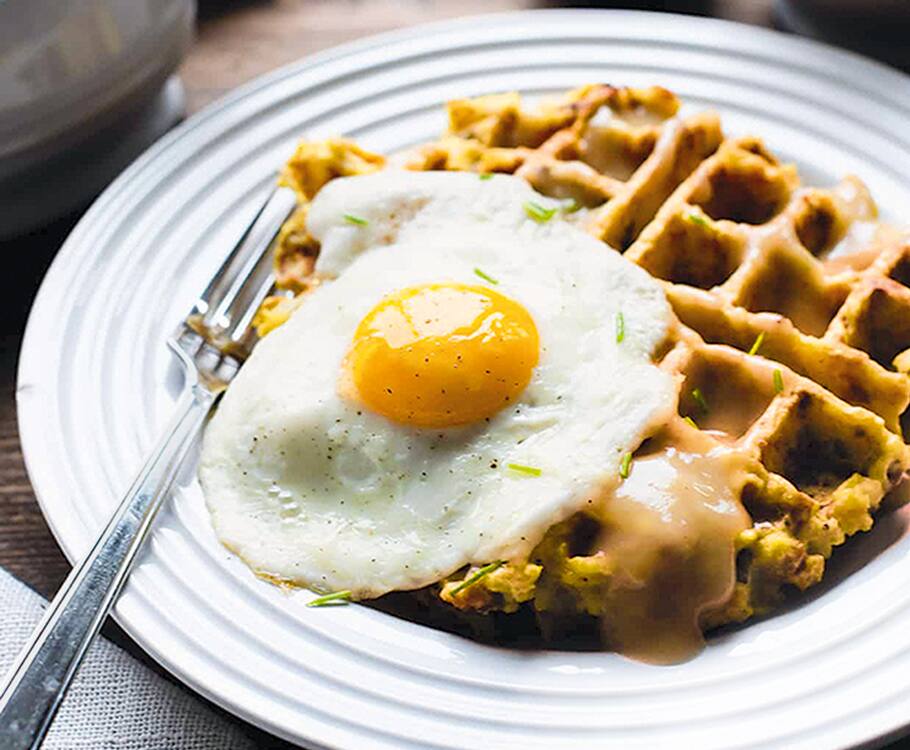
778,381
484,571
339,597
625,465
758,342
700,399
485,176
358,220
522,469
691,422
485,277
697,219
620,327
538,212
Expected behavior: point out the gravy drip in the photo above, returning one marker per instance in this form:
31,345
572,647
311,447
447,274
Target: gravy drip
669,530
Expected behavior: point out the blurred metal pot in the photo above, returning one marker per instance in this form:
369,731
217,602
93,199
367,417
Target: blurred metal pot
84,87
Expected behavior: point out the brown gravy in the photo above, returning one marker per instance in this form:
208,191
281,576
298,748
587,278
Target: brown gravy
670,529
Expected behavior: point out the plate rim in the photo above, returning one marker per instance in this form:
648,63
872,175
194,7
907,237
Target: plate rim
31,359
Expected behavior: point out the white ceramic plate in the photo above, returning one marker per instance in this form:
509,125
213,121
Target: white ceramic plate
96,384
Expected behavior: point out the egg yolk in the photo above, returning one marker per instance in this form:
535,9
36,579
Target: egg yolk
441,355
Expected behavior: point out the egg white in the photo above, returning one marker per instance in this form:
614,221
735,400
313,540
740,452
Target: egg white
318,491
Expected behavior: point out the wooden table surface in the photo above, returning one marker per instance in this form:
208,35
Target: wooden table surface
237,40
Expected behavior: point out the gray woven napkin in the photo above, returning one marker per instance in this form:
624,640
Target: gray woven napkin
115,701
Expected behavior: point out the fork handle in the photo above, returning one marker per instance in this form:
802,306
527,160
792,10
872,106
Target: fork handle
38,680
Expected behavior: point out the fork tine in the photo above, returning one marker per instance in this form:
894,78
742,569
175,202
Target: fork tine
217,335
230,279
204,301
261,285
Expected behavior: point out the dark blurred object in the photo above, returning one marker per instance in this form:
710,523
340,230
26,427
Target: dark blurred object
745,11
699,7
207,10
877,28
30,255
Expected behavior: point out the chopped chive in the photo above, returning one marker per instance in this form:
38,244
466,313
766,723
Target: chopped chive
485,277
700,399
758,342
339,597
538,212
697,219
691,422
625,465
358,220
484,571
778,381
570,206
620,327
522,469
485,176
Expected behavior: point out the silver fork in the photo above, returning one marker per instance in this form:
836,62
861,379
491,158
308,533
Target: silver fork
210,345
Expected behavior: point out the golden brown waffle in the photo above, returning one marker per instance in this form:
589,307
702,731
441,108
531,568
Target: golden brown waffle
739,243
795,360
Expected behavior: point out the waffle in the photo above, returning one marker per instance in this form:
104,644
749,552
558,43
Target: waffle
793,343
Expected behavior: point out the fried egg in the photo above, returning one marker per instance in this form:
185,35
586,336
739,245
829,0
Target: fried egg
471,371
